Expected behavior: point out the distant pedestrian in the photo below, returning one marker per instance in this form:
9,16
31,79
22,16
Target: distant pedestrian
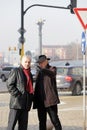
20,87
46,95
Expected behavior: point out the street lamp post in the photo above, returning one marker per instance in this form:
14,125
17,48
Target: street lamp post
40,24
22,30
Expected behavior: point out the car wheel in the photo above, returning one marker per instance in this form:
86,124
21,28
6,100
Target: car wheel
3,78
77,89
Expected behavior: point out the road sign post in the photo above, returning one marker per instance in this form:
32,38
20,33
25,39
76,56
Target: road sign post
84,75
82,16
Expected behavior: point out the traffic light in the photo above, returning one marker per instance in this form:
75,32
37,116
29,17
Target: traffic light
73,4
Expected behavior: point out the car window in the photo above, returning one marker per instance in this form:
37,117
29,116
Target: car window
71,70
62,71
7,68
78,71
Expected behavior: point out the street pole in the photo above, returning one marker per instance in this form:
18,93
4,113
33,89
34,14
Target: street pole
84,78
84,93
22,30
22,27
40,24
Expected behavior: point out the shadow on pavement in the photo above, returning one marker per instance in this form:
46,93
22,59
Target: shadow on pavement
35,127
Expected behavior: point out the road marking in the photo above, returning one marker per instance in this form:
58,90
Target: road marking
72,109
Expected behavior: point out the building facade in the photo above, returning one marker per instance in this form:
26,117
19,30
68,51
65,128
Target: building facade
55,52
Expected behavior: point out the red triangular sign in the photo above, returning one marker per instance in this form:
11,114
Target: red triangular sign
82,16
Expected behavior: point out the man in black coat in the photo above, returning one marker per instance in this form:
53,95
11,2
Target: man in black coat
20,87
46,95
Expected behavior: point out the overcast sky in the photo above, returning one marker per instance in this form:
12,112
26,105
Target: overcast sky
60,26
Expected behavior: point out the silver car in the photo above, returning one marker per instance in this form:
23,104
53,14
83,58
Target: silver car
4,72
70,78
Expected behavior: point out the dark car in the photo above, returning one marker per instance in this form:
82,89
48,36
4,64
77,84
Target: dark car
70,78
4,72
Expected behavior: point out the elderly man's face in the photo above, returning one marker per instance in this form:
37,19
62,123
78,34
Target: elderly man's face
26,62
43,64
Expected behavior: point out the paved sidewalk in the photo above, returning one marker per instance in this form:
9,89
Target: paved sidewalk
69,120
36,128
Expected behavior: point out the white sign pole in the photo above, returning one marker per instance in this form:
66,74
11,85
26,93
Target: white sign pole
84,98
84,88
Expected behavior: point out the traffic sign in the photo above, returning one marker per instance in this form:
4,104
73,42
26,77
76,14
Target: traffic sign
82,16
83,43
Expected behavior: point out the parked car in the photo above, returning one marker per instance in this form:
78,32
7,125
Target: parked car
4,72
70,78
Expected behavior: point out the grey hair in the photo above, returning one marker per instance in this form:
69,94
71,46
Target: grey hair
25,56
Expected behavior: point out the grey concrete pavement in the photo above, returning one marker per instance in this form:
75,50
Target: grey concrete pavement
71,119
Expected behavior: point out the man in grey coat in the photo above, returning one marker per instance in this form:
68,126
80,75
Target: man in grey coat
46,95
20,87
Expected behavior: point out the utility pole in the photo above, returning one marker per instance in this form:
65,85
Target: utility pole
23,12
40,24
22,31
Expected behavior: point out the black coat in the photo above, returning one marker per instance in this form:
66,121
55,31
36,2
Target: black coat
45,89
20,98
